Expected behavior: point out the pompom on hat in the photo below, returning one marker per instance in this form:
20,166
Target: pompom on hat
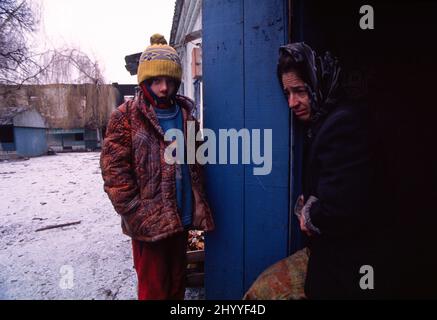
159,60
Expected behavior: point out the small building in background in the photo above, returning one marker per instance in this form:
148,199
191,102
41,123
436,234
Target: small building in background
62,117
22,133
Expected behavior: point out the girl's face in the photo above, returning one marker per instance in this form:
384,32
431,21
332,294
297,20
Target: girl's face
163,87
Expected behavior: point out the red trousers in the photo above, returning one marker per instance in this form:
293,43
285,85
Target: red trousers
161,268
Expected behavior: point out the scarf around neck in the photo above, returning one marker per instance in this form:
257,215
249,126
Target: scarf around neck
151,98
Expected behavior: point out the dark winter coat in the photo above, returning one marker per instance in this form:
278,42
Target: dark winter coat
339,174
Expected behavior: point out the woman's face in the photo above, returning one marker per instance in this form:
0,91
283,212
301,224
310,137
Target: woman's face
297,96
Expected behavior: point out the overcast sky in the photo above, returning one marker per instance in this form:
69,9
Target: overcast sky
105,30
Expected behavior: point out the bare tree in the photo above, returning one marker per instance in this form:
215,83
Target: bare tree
69,66
18,19
19,64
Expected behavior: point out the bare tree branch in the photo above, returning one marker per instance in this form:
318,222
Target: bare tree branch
19,65
18,20
70,66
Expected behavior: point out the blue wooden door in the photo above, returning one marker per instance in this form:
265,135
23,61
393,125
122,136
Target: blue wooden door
30,142
240,50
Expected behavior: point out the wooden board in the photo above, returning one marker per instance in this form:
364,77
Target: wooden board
240,49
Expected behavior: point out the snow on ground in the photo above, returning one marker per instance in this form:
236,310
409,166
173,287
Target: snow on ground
90,260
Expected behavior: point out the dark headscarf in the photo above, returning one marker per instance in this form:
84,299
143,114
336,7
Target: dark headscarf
320,74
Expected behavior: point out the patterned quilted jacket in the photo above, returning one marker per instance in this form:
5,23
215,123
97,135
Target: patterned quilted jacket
138,181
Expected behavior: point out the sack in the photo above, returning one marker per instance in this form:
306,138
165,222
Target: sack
285,280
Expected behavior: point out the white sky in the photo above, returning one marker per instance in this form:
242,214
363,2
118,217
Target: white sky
106,30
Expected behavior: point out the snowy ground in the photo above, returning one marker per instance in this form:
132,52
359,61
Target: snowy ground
90,260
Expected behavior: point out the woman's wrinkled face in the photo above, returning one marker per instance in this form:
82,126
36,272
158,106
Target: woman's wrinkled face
163,87
297,96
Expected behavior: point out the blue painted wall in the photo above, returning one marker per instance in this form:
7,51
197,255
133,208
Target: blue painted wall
240,50
30,142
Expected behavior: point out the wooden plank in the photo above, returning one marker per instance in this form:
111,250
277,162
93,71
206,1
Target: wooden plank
223,71
240,42
267,196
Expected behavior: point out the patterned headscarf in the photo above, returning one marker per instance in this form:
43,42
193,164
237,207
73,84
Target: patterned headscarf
321,76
